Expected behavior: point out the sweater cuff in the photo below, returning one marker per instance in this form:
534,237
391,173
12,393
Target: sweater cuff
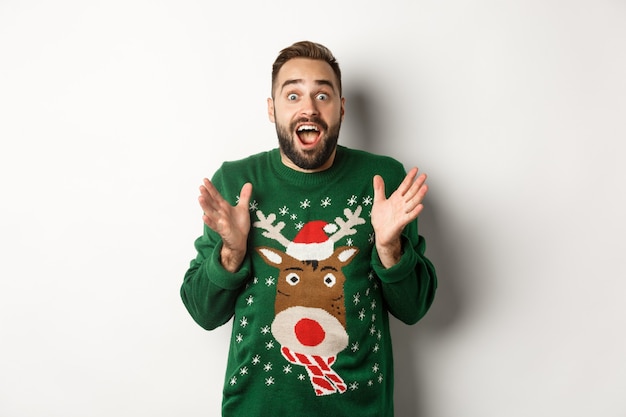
404,267
223,278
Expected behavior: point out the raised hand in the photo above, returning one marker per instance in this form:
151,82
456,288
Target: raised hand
232,223
391,215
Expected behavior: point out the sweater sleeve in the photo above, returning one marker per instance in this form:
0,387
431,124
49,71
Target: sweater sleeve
409,286
209,292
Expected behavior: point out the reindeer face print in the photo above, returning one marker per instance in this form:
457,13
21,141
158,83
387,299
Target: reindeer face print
309,308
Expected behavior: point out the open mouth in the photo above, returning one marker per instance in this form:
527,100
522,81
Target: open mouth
308,134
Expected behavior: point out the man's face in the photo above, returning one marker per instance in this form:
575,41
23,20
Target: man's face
307,109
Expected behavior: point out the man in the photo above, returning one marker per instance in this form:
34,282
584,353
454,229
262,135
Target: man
307,253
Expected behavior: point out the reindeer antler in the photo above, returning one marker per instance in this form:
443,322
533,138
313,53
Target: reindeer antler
346,227
271,231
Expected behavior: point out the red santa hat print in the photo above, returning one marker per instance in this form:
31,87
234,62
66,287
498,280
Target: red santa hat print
312,242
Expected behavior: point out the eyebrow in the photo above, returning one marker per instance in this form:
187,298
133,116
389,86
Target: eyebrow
300,81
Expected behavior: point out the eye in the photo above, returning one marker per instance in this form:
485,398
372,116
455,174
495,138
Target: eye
292,278
322,96
330,280
292,97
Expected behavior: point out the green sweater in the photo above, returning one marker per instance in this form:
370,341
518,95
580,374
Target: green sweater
310,304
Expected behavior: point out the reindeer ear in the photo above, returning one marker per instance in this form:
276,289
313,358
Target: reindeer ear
345,254
271,256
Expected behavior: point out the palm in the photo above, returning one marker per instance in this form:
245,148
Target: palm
391,215
232,223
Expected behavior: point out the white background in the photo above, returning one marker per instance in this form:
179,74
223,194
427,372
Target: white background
112,112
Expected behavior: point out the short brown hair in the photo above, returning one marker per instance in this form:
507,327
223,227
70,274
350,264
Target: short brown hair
305,49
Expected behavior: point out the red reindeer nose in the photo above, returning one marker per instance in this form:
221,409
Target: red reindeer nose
309,332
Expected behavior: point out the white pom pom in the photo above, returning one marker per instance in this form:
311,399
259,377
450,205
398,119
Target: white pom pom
330,228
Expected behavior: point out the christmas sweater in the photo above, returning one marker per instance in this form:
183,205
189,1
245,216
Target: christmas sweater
310,305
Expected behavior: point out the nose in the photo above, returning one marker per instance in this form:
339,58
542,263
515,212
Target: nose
309,332
309,106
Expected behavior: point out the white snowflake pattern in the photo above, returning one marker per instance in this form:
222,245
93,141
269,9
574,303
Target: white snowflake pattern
380,378
352,200
233,380
305,204
374,317
353,386
370,238
243,322
250,300
265,329
368,200
254,206
269,381
367,292
293,216
376,348
375,368
354,347
269,345
283,211
370,383
379,335
239,338
301,377
287,369
255,280
256,360
299,225
373,304
356,298
370,275
267,367
243,371
326,202
349,242
362,314
372,330
270,281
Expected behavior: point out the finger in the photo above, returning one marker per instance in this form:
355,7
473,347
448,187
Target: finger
208,190
416,188
379,188
207,203
210,199
417,211
409,179
245,194
417,200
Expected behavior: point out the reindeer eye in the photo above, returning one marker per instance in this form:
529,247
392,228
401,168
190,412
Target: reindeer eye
330,280
293,279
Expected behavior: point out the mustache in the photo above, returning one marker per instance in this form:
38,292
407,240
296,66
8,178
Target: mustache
313,119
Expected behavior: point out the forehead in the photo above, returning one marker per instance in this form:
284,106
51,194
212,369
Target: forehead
306,70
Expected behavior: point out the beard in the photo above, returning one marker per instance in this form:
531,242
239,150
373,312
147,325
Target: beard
313,158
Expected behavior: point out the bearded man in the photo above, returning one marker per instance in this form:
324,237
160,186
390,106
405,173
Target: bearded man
309,255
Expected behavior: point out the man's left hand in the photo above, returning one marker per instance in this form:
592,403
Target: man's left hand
391,215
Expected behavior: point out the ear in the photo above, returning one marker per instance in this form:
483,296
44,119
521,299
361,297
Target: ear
270,110
343,107
345,254
271,256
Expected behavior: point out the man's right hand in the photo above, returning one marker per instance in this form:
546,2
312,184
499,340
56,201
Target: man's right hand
232,223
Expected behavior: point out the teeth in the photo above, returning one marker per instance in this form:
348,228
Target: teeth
307,127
